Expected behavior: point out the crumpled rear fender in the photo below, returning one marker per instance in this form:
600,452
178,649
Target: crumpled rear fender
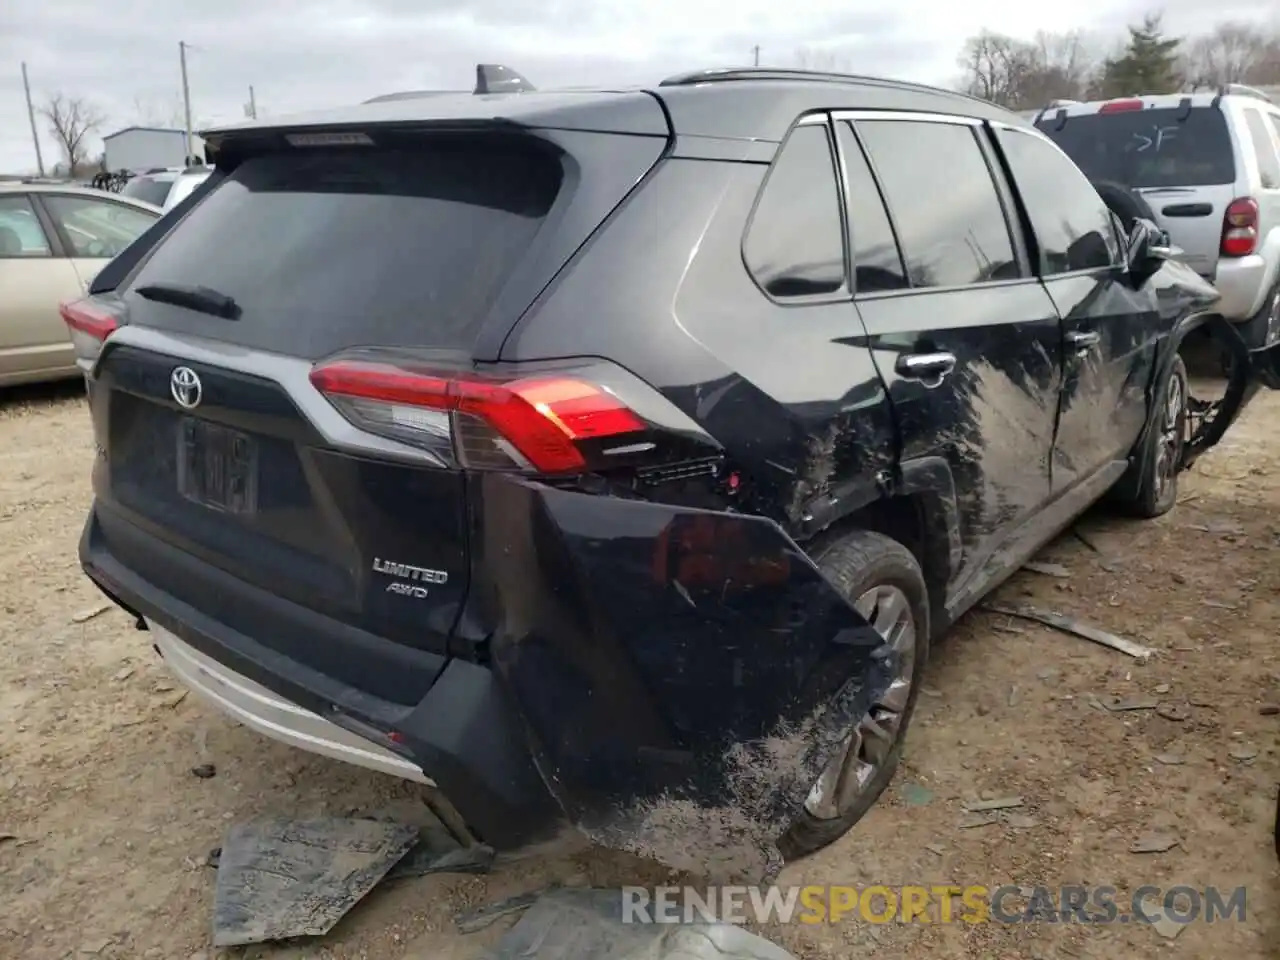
683,675
1209,420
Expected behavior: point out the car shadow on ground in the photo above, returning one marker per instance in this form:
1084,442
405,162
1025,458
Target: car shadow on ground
39,394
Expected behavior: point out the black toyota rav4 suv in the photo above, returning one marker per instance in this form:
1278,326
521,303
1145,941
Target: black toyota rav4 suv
613,458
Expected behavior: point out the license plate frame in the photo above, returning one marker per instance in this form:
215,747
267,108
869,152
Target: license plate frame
217,467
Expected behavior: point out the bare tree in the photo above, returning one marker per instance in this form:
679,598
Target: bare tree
991,63
71,120
1230,53
1266,69
1068,61
1019,74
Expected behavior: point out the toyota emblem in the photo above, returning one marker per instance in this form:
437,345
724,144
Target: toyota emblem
184,384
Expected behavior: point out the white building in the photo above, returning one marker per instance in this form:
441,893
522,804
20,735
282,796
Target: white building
141,148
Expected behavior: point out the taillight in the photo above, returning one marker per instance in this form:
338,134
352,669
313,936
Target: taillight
1120,106
90,324
1240,228
548,423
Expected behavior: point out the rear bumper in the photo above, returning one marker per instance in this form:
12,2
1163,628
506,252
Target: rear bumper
670,680
1243,283
462,737
268,713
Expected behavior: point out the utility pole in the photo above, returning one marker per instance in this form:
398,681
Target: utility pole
31,115
756,52
186,97
253,104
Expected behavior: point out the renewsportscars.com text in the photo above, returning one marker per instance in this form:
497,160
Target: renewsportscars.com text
1008,903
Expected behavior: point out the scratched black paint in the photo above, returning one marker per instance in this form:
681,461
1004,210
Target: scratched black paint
612,642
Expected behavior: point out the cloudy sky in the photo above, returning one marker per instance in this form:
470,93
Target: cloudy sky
123,56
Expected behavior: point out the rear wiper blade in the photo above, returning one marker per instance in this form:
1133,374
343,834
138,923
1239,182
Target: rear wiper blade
200,299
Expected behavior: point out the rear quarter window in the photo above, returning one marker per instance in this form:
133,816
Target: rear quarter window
794,246
329,249
1148,148
1264,150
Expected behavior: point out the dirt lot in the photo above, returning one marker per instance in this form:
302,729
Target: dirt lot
109,826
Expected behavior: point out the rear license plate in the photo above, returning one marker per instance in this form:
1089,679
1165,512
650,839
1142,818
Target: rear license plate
217,467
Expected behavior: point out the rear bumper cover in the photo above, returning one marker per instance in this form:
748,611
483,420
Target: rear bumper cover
672,680
463,732
1244,282
270,714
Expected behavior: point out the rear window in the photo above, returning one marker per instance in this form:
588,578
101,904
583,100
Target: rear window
148,189
1149,148
183,187
329,249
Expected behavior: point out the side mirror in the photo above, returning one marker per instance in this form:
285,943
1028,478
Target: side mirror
1147,250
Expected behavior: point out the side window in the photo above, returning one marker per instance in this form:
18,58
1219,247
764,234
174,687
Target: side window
1073,227
20,232
795,244
1264,150
877,262
97,228
943,202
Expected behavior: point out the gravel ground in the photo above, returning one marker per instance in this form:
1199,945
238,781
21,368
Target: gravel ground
107,826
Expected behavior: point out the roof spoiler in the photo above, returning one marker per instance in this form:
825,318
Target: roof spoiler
1060,105
1241,90
495,78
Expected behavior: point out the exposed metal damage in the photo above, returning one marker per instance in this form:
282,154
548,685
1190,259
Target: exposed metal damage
765,784
1208,420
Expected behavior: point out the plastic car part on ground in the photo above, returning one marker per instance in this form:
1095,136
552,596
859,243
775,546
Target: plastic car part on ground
281,878
589,925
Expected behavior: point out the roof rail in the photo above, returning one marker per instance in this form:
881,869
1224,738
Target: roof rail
718,74
1242,90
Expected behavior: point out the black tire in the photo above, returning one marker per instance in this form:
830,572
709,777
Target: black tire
856,563
1158,491
1126,204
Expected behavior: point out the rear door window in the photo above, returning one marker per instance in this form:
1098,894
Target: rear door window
794,245
1263,149
94,228
20,232
877,262
943,202
1073,228
1149,148
148,189
328,249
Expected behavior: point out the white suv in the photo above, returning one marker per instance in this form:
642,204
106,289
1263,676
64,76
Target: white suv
1208,164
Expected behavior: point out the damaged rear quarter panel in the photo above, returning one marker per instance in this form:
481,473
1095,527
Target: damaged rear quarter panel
683,675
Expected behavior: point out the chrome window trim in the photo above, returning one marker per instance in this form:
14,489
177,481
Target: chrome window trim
907,115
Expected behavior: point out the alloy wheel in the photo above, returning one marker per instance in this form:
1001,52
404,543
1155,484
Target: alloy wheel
869,747
1169,443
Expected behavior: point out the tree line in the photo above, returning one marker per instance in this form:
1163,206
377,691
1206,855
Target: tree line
1025,74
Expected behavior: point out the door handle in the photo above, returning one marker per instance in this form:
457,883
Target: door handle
1083,340
928,368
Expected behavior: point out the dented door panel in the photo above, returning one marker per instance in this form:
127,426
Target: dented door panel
992,418
1110,333
683,674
